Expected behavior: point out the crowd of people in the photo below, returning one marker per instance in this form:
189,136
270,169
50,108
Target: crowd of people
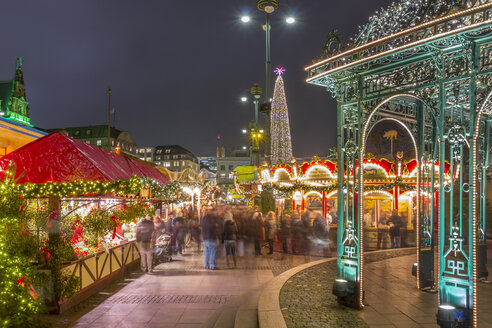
234,229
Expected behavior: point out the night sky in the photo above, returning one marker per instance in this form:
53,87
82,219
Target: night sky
177,68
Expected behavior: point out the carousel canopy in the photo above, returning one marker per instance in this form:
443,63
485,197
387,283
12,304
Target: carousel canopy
59,158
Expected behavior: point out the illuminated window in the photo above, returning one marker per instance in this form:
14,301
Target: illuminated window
168,151
88,132
98,142
77,132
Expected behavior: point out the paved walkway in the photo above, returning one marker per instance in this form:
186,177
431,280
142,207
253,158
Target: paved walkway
178,294
391,298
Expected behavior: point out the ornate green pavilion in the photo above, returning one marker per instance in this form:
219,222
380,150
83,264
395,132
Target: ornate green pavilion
426,65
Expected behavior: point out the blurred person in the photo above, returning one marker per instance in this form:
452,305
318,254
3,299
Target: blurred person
229,238
395,223
284,233
209,236
307,233
180,229
159,226
382,224
270,230
258,225
403,232
144,233
296,229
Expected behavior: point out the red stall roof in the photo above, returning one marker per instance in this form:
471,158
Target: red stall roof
59,158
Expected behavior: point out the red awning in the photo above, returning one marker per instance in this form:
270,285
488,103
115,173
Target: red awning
59,158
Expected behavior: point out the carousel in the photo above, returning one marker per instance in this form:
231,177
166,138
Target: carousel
389,184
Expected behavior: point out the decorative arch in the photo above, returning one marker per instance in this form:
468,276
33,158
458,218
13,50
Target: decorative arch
317,193
368,193
309,171
368,126
485,109
280,170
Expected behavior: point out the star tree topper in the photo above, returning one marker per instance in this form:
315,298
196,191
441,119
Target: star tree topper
279,70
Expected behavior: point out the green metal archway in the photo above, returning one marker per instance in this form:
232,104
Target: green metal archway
428,66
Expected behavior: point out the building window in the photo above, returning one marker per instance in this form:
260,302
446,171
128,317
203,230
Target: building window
149,150
159,151
175,156
88,142
231,175
77,132
148,159
222,167
168,151
158,158
166,156
98,142
222,175
112,142
166,164
231,167
142,151
142,158
88,132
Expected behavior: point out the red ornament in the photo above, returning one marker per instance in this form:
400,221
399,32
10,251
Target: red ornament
22,281
46,254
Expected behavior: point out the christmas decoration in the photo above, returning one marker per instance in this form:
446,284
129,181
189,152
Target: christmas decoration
405,14
281,144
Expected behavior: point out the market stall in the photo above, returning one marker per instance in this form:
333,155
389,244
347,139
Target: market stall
82,203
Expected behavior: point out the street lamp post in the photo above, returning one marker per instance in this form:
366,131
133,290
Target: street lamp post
255,92
268,7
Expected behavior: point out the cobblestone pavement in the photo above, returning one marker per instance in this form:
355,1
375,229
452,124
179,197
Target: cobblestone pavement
391,297
178,294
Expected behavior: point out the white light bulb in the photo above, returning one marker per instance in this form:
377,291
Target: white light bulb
245,19
290,20
244,99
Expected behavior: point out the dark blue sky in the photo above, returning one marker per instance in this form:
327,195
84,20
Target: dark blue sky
177,68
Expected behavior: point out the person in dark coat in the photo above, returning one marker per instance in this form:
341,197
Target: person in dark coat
144,233
258,231
395,222
209,236
270,230
229,238
181,230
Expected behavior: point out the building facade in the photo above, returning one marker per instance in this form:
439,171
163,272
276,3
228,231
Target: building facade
228,161
16,129
146,153
175,158
210,162
97,135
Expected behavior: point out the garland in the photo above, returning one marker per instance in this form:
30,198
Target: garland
170,191
76,188
304,187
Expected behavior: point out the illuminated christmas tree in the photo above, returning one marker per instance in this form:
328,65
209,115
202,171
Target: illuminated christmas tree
279,122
